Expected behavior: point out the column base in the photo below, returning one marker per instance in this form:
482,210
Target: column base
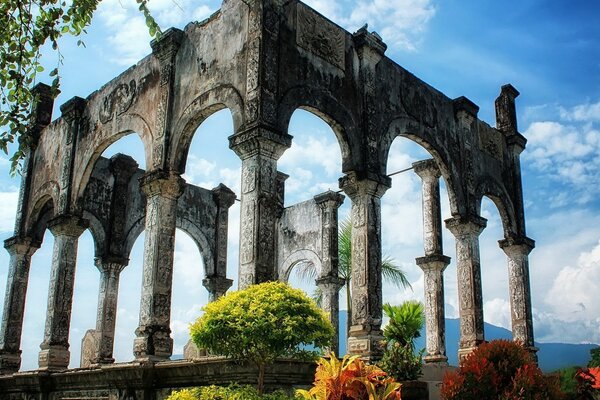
440,359
9,362
464,352
367,344
153,343
54,358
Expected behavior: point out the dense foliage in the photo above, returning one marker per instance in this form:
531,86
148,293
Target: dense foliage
399,358
350,379
233,392
595,360
27,26
262,323
500,369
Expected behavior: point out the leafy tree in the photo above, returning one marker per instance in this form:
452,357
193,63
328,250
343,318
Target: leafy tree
262,323
389,269
27,25
405,324
595,360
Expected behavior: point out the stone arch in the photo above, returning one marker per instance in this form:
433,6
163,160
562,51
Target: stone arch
132,123
98,232
296,257
416,132
198,237
199,109
134,232
496,192
43,208
329,109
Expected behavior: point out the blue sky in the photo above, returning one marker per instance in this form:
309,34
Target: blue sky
549,50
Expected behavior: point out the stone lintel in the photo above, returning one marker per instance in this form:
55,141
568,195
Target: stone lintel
426,168
357,183
463,104
223,196
330,197
73,107
260,140
67,225
469,225
168,44
433,261
162,183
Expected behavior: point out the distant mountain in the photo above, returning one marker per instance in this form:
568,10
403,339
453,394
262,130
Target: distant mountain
551,356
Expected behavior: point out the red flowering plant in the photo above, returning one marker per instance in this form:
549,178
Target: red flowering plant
588,383
499,369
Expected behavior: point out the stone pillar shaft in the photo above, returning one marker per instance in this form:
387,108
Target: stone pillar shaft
259,150
110,271
470,296
519,288
432,215
162,190
330,287
21,250
365,332
54,352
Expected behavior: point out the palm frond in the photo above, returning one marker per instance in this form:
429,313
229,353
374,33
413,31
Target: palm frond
306,271
317,296
394,273
345,248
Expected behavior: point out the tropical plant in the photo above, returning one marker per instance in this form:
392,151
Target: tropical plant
588,383
27,26
262,323
350,379
404,326
389,270
232,392
500,369
595,357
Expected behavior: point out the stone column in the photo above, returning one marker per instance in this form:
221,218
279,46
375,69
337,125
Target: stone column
162,189
110,270
259,150
365,332
20,250
434,263
470,297
517,250
54,352
329,282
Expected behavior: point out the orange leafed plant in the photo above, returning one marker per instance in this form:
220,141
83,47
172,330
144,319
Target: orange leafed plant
350,379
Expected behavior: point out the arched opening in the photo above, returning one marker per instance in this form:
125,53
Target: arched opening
402,226
494,275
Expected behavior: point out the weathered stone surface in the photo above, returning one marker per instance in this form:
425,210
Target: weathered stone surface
262,60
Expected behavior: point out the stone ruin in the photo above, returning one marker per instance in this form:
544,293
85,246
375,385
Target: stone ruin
261,59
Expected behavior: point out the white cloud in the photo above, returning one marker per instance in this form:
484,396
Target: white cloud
497,312
8,205
581,112
316,152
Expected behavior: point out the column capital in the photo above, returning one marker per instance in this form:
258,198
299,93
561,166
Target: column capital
67,225
434,261
217,284
370,46
356,184
517,245
167,46
330,281
464,226
260,140
123,166
162,183
427,169
223,196
329,199
111,263
19,245
73,108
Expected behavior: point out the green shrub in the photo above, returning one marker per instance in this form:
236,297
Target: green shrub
595,360
233,392
262,323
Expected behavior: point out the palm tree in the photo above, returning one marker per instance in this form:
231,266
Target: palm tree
389,270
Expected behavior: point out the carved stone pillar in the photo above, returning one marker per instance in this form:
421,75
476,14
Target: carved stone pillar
217,286
434,263
329,282
517,250
153,339
470,296
110,270
54,352
365,333
259,150
20,250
